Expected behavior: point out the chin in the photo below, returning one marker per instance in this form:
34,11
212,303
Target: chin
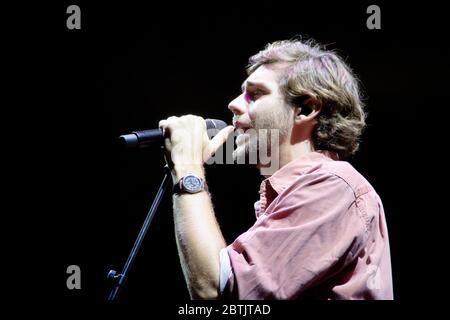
244,150
239,152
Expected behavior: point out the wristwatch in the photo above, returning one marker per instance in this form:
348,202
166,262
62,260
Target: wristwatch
190,183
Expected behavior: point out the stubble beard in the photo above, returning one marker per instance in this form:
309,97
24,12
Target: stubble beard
258,140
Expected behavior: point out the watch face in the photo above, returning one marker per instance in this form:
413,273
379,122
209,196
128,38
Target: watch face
192,184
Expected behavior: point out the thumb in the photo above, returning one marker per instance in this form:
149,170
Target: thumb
219,139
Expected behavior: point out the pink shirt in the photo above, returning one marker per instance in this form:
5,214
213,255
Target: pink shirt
320,233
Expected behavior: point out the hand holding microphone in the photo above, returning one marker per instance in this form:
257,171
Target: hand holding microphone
187,143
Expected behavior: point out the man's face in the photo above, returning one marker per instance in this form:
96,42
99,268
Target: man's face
260,106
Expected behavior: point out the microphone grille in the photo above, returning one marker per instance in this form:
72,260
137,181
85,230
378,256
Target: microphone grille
215,124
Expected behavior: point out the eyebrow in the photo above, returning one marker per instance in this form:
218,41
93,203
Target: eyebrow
247,83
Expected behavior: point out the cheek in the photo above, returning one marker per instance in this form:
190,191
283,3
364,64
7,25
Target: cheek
260,109
252,114
255,110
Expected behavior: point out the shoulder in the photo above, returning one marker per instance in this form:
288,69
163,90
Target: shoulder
366,201
332,175
336,184
344,171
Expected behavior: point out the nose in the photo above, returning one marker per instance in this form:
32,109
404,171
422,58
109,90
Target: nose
237,106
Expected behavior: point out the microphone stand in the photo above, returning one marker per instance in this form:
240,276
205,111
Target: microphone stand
120,278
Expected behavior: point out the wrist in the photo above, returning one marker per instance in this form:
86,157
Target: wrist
179,171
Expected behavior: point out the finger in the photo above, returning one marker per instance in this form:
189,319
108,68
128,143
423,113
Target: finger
162,123
168,121
164,126
220,139
172,119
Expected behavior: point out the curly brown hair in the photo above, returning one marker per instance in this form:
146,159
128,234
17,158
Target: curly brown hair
321,78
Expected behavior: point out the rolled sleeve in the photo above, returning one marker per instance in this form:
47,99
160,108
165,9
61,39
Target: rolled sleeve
225,269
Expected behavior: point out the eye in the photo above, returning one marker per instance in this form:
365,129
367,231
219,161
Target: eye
254,95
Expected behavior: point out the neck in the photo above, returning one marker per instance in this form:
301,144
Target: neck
289,152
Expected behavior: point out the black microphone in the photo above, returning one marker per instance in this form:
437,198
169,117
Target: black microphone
145,138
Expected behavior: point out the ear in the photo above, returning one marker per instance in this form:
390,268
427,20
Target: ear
307,111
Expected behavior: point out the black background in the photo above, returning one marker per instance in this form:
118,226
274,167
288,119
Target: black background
131,65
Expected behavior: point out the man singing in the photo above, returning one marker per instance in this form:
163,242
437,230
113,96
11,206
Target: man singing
320,231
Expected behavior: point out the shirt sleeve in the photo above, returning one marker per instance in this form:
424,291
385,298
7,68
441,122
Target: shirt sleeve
309,232
225,269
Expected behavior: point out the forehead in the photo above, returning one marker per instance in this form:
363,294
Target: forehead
267,75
